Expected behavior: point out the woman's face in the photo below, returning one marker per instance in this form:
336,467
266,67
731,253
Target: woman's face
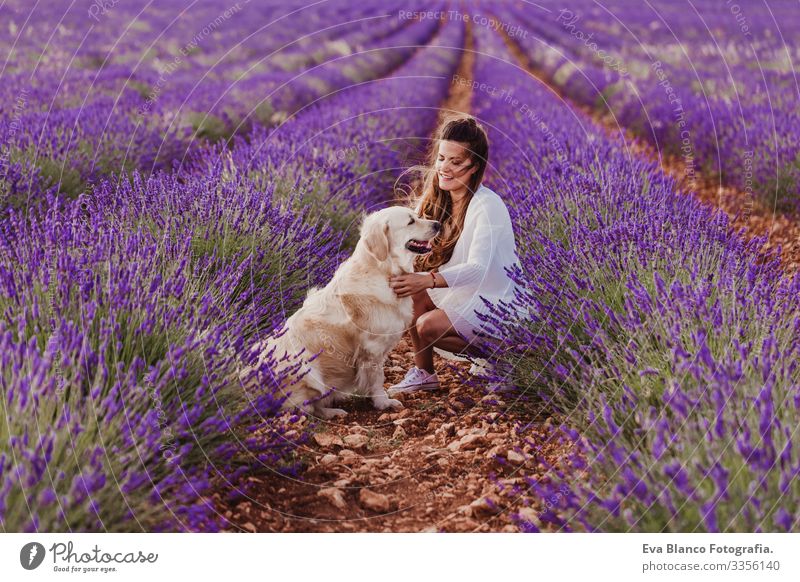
454,166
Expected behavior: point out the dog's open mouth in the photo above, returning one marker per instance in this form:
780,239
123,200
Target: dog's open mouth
419,246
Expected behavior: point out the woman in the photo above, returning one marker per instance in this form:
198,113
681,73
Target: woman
469,255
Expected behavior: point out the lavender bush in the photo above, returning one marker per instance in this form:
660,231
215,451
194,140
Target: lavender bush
123,317
668,344
136,101
129,310
342,155
710,84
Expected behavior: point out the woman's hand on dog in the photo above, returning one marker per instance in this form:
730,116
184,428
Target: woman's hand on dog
410,284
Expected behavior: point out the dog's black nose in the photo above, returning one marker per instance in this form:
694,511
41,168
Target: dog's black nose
437,226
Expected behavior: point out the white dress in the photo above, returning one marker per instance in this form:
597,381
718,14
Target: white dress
477,267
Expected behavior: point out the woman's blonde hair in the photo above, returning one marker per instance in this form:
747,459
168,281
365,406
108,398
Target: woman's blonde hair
435,202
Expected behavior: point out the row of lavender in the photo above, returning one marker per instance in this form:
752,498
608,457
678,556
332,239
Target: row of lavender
711,84
83,99
668,345
127,312
343,155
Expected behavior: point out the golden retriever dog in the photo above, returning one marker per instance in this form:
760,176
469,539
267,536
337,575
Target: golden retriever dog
356,320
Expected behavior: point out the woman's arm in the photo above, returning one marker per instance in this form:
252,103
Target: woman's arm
492,224
413,283
489,225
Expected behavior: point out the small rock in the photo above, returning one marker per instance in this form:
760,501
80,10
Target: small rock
350,458
399,433
334,495
484,507
356,441
328,459
374,501
470,441
464,524
342,483
250,527
515,457
326,439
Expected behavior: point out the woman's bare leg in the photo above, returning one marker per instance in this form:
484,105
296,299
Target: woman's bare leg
455,344
423,355
434,329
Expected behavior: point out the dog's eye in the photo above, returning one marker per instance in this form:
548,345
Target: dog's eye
412,221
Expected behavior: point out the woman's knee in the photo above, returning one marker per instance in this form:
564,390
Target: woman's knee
430,327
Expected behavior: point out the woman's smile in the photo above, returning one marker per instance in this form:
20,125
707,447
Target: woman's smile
453,166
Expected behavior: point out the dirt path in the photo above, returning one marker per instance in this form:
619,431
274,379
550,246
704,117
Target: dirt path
437,465
744,209
425,468
460,98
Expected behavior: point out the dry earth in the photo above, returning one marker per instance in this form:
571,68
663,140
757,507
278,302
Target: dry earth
437,465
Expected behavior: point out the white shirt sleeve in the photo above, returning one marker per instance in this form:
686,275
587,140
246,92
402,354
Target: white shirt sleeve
482,250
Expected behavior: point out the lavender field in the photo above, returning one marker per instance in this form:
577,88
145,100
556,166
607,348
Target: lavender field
175,176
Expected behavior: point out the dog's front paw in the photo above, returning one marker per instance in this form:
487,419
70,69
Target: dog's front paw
385,403
328,413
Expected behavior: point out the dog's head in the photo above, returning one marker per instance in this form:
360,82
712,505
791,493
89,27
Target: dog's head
396,234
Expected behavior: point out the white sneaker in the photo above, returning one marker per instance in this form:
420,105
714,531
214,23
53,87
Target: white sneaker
416,379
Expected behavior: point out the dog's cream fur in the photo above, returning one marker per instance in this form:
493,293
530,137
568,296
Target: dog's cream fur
355,321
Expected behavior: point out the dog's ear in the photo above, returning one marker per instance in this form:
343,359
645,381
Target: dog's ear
376,240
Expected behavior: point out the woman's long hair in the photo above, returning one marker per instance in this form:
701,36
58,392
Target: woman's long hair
435,202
